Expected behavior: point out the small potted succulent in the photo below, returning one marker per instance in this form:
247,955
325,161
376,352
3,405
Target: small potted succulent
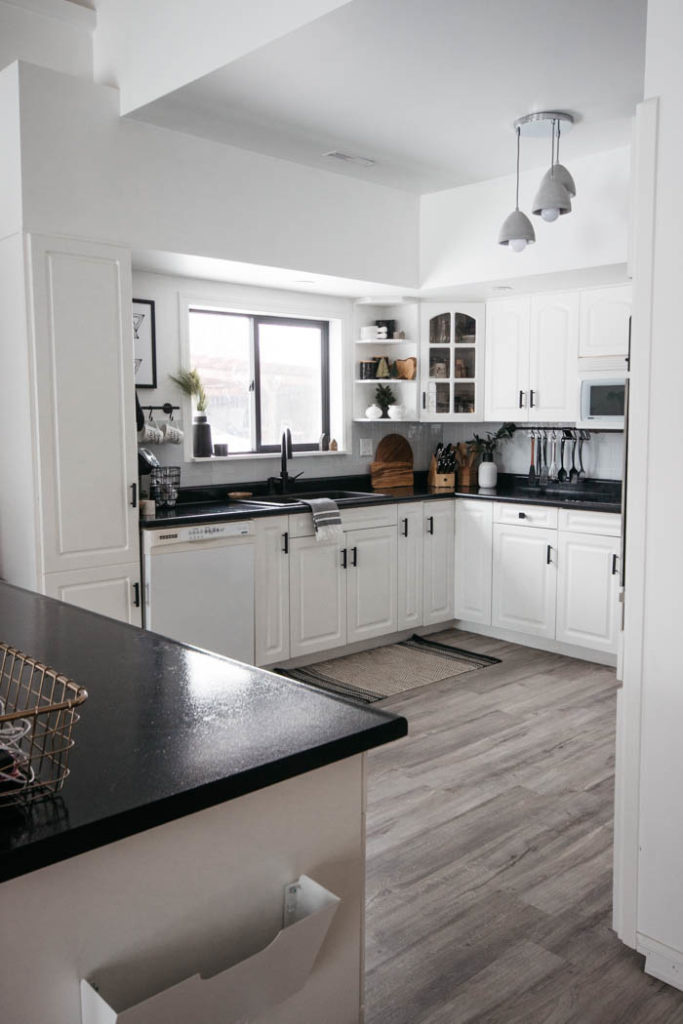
190,382
485,448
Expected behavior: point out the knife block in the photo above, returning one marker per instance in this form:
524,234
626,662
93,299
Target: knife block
445,481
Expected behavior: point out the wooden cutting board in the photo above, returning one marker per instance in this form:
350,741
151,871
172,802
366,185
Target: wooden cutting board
394,448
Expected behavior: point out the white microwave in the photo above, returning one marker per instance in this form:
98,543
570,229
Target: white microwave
602,401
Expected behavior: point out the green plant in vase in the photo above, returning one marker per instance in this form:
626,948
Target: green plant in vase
384,397
190,382
485,447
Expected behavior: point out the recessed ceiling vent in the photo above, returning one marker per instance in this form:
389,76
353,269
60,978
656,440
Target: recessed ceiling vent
346,158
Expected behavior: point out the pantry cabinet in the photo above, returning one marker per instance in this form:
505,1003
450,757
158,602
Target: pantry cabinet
473,560
271,587
410,565
438,520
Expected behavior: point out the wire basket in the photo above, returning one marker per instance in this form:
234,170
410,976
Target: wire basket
37,716
164,485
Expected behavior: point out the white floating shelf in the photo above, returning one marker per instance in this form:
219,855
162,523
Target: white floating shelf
384,341
404,419
385,380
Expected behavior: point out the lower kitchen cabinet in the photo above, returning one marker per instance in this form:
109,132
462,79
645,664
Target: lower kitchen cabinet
317,595
437,585
473,560
524,579
410,565
112,590
588,590
370,583
271,589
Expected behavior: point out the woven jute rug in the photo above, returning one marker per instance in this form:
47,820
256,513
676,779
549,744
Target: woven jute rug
369,676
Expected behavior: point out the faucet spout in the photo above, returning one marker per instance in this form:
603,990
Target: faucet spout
285,455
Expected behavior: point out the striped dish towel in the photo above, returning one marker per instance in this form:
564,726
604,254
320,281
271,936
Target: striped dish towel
326,518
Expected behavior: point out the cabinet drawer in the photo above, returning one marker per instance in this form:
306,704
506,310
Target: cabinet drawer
605,524
525,515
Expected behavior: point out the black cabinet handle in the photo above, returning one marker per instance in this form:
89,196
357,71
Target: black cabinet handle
344,558
431,524
354,557
531,398
522,515
405,527
615,559
628,357
424,399
548,554
285,543
133,495
521,399
136,595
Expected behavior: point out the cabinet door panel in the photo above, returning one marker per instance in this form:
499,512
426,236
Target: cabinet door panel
451,365
271,590
371,583
438,591
507,360
84,373
588,591
605,315
524,579
553,351
473,560
317,588
110,590
410,565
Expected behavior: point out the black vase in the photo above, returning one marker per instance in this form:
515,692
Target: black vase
202,448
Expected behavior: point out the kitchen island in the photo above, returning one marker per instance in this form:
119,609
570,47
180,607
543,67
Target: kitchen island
199,788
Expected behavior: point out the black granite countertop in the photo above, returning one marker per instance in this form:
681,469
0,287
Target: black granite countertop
207,504
167,730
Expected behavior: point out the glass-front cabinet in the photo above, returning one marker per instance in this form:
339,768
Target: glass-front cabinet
452,349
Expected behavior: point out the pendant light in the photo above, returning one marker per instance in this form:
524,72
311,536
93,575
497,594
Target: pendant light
517,231
559,171
553,197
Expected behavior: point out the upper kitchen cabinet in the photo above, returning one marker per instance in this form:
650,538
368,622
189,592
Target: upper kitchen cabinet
605,322
451,361
531,364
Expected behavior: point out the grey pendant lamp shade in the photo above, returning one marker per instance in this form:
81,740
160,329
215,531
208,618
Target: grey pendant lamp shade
517,231
553,198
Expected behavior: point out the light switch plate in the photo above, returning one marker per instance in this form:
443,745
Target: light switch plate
366,446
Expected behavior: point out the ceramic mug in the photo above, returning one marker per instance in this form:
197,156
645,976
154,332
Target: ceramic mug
150,434
171,433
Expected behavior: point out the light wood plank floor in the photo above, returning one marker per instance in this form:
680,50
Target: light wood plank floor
489,854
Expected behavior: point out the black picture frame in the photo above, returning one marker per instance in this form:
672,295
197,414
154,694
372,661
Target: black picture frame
144,343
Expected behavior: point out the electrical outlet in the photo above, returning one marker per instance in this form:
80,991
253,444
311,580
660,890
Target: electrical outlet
366,446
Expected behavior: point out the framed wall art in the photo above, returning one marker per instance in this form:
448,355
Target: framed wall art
144,343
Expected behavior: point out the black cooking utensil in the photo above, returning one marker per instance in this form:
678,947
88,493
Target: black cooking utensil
532,463
573,472
562,475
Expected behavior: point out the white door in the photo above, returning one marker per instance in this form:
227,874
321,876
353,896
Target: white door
271,590
83,342
506,395
410,565
317,590
588,590
437,590
605,321
371,583
473,560
524,579
112,590
553,353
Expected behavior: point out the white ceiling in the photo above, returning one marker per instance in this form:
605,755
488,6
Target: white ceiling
427,88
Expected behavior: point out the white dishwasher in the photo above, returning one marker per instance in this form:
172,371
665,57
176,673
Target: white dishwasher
199,586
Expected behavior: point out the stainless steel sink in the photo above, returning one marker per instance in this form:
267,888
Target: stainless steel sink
297,497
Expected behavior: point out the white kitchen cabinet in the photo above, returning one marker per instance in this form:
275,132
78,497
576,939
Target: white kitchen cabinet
438,518
317,595
451,362
473,560
524,579
370,583
410,564
531,358
112,590
588,590
85,403
605,322
271,590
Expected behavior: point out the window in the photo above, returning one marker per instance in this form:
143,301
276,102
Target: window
261,375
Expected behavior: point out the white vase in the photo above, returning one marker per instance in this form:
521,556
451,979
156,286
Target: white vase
395,412
488,474
373,412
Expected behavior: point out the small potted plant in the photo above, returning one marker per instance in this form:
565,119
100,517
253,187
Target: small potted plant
190,382
384,397
485,448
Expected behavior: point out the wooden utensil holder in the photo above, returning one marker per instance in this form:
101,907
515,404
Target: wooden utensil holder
445,481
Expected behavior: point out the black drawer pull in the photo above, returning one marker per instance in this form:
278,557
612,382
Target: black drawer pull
522,515
285,543
431,524
405,527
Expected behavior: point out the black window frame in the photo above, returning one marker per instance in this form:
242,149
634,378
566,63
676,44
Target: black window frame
255,320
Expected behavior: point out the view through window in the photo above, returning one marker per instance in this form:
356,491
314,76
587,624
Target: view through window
261,375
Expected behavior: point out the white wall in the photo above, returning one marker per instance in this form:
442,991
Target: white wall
53,33
10,163
165,292
89,173
135,41
459,227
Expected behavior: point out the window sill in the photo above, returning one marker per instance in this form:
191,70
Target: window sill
242,456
